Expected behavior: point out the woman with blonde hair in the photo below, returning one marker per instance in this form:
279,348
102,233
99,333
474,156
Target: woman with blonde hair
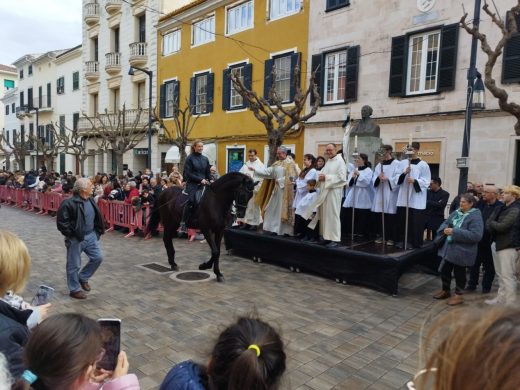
472,349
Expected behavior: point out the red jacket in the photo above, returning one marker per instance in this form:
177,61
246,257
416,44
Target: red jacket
128,197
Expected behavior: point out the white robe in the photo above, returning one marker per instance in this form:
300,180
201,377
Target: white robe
386,192
329,200
301,186
253,214
273,210
419,172
306,201
361,193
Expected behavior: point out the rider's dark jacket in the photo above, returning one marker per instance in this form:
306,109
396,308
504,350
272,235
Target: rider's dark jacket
196,168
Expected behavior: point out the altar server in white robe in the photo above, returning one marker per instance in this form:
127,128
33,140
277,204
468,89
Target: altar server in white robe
332,178
413,178
309,172
361,194
253,216
385,197
279,212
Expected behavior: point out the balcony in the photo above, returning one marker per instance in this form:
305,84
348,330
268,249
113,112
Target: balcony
20,112
43,103
133,118
113,63
91,14
113,6
92,70
138,54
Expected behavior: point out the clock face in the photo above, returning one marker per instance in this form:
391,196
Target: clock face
425,5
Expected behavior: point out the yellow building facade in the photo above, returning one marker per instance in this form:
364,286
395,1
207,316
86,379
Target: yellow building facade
201,43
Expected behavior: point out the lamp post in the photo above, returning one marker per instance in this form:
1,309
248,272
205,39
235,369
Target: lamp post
150,75
474,82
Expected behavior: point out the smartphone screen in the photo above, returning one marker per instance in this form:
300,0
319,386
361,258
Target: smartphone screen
42,296
111,338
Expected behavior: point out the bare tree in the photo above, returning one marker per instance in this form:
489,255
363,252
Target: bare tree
507,29
279,120
179,134
19,148
119,132
49,147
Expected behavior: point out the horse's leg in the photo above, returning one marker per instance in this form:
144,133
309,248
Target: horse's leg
216,256
210,238
170,250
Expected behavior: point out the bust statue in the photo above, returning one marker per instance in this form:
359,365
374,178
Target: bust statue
366,127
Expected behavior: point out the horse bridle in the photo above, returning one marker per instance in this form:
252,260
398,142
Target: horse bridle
237,193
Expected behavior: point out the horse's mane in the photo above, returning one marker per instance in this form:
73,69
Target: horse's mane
226,180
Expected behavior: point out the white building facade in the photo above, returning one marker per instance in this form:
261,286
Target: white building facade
8,82
409,62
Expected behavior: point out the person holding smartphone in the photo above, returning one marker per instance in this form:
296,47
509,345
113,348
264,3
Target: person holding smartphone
81,222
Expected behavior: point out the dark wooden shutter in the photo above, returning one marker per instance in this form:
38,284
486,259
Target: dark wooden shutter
448,57
511,59
162,101
317,69
352,74
397,83
295,60
335,4
226,88
193,92
248,80
48,95
268,77
210,92
176,94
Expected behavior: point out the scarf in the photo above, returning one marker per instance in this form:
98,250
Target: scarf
457,220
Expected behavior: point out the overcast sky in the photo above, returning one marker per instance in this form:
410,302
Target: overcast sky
38,26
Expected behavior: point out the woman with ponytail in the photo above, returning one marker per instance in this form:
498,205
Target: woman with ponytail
247,355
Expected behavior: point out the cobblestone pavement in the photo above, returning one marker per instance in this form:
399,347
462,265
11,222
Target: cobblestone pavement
338,337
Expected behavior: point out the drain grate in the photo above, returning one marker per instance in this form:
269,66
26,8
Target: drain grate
193,276
156,267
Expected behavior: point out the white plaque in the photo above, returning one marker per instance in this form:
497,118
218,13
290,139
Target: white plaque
425,5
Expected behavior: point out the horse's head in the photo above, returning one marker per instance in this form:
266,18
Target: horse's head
243,193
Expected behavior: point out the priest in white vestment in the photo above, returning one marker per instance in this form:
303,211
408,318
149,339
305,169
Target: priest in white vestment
332,178
253,216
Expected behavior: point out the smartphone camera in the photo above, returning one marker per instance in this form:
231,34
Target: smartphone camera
111,338
42,296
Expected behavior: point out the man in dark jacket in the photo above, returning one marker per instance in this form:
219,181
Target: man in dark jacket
504,227
487,206
436,201
81,222
196,173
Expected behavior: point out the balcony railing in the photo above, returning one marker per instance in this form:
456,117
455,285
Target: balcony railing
42,102
113,63
91,14
133,118
138,54
113,6
91,70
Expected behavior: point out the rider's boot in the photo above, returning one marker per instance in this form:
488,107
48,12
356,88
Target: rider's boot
183,229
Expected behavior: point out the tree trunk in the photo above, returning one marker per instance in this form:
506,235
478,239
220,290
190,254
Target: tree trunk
7,162
119,162
183,155
274,141
82,159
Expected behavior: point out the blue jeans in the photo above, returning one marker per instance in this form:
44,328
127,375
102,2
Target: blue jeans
90,246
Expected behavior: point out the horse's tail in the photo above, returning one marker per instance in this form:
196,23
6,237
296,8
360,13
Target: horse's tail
153,221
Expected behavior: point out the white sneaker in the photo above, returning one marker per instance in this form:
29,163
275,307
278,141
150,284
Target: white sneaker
379,241
494,301
390,243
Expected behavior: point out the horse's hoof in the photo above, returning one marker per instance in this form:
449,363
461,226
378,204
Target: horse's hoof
220,278
174,267
204,266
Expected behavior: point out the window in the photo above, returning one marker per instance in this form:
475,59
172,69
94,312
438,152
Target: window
203,31
60,85
142,28
282,8
22,100
13,105
8,84
7,109
335,4
201,93
29,71
171,97
21,74
424,63
30,101
75,81
280,72
172,42
335,77
231,99
240,17
75,120
511,58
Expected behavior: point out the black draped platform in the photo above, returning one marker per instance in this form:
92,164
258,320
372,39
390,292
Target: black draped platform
364,263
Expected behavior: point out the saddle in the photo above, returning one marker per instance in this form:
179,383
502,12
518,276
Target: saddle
193,202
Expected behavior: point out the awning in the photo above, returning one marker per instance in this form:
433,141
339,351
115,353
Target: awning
173,155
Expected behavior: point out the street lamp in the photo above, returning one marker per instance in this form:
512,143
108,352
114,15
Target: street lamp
150,75
471,99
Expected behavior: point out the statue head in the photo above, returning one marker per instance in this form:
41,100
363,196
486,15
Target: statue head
366,111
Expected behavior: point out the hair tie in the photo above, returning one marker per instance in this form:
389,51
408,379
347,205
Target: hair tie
29,377
256,348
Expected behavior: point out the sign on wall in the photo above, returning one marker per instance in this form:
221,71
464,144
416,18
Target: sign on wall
429,152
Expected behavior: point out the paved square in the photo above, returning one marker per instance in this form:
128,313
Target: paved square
337,336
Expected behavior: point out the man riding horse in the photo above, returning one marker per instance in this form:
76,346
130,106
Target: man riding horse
196,173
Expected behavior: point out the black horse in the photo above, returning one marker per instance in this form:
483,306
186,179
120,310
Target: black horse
211,216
